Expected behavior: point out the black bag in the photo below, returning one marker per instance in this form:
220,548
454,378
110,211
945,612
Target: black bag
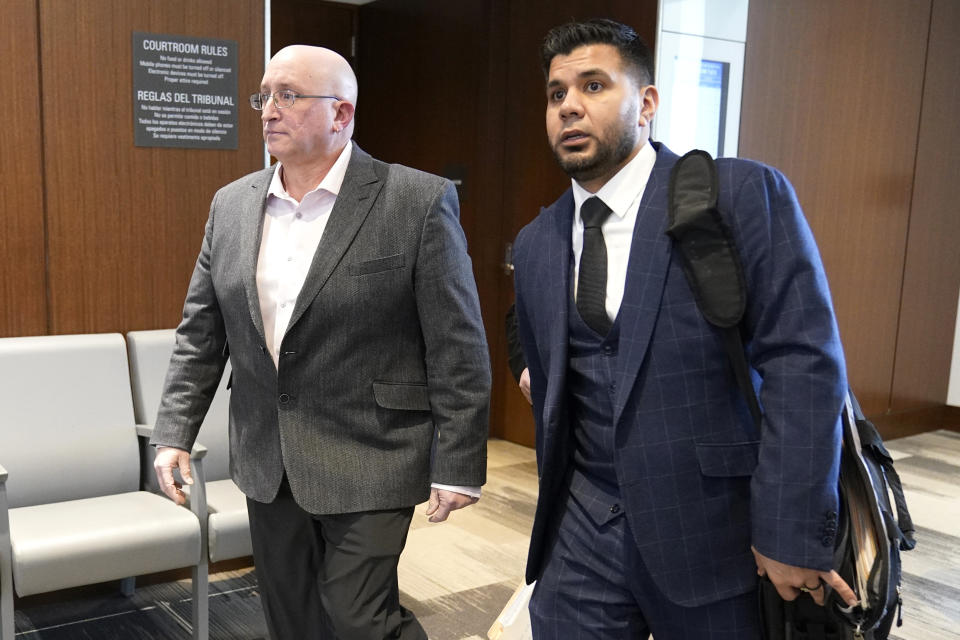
869,537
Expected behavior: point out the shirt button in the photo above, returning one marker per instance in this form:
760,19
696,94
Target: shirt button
284,398
615,509
299,215
283,305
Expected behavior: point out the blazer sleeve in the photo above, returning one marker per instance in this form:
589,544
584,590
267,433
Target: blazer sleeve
457,360
794,346
199,356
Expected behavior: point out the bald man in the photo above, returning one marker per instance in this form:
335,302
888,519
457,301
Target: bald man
341,291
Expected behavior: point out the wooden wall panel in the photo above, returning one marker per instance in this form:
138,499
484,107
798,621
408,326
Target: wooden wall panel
832,97
325,24
23,308
125,223
932,274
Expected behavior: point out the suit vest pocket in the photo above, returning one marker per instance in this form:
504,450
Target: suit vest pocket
400,395
728,460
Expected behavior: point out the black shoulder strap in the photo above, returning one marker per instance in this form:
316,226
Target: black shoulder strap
710,258
870,440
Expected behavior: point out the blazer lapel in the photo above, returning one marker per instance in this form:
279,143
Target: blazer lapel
649,260
250,234
357,195
555,274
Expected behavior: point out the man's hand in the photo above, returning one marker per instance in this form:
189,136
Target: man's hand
168,459
525,385
789,579
442,502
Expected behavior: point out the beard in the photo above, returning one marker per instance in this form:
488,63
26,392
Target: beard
613,146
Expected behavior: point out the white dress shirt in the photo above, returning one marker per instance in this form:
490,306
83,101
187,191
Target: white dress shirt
291,234
622,194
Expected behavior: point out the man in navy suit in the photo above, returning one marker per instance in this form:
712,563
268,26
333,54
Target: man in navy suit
660,501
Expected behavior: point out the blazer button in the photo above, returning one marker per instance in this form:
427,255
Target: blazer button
826,541
615,509
284,398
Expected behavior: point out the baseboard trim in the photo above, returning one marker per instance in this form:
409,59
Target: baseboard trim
908,423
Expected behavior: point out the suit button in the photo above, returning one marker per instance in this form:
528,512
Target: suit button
615,509
826,541
284,398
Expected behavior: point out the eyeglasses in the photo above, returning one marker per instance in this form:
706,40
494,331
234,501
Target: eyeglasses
281,99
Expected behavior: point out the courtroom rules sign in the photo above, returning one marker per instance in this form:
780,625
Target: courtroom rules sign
184,91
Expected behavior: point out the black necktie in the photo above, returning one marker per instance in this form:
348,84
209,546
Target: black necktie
592,280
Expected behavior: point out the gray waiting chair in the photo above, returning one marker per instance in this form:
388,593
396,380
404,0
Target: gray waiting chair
71,513
228,527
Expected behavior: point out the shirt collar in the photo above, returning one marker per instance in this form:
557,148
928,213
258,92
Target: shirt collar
623,190
332,182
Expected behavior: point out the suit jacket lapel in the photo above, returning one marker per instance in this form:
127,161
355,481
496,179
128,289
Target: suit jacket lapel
359,190
555,300
646,277
250,234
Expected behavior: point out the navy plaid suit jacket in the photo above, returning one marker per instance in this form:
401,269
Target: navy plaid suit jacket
699,483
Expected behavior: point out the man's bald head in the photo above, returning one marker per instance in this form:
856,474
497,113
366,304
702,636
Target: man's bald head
326,71
313,130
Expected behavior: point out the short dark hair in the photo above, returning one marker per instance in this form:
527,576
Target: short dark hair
567,37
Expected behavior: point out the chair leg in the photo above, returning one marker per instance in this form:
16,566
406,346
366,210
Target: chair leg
199,573
201,605
128,585
6,601
6,565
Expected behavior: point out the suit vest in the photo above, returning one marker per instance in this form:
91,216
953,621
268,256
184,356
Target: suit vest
591,385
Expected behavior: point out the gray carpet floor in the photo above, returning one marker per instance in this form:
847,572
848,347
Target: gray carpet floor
458,576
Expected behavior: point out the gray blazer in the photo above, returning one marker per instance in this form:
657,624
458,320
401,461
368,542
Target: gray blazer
384,377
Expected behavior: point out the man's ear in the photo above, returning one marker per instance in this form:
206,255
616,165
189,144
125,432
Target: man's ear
649,101
344,116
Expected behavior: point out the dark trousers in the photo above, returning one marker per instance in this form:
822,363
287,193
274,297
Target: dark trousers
330,577
594,585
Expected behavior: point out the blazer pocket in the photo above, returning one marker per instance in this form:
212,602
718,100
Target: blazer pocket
401,395
376,266
728,460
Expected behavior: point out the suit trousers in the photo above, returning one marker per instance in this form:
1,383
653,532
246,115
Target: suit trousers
330,577
594,585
